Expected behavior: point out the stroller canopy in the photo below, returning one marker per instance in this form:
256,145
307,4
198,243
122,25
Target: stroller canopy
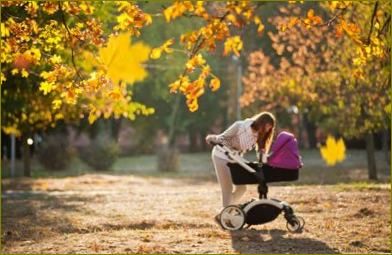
285,152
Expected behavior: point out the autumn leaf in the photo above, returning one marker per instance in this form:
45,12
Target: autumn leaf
56,104
177,9
12,130
334,151
312,19
214,84
192,104
233,44
310,14
260,25
194,62
123,60
46,87
157,52
293,21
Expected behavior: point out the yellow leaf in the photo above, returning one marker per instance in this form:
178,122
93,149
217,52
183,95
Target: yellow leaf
56,104
293,21
166,45
215,84
4,30
310,13
334,151
14,71
46,87
24,73
156,53
123,60
115,94
174,86
192,63
192,104
55,59
91,118
233,44
340,150
2,78
12,130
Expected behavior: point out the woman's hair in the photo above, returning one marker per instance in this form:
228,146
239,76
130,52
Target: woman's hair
264,140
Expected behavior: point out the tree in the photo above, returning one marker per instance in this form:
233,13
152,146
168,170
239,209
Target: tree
49,76
52,44
315,74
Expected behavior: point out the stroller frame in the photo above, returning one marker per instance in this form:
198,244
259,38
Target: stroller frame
256,211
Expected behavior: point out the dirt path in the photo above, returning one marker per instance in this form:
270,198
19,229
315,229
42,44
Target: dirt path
129,214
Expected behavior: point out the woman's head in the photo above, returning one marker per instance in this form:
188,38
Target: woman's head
264,124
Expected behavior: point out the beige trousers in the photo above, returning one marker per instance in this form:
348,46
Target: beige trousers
224,178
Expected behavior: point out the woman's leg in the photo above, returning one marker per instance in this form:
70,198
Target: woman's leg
238,193
224,178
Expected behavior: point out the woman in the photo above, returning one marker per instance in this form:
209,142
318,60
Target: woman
256,132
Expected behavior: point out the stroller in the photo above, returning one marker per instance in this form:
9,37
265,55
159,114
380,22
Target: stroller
284,155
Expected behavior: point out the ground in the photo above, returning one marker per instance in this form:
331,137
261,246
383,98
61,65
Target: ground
99,213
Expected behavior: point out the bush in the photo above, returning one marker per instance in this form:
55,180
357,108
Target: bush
55,153
100,154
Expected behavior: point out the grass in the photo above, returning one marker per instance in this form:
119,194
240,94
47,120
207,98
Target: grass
361,186
199,166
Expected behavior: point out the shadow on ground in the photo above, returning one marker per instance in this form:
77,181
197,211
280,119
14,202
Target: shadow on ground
253,241
30,215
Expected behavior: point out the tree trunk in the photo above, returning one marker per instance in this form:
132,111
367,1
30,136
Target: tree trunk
370,149
232,91
203,144
301,142
385,147
26,156
115,127
168,153
311,132
168,159
193,146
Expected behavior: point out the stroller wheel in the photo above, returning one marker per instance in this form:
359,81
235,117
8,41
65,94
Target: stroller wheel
295,224
302,221
232,218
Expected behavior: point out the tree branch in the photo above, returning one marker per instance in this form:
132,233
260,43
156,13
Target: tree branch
385,24
372,21
70,41
335,17
197,45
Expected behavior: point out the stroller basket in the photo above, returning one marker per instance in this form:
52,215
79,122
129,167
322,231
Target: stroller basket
241,176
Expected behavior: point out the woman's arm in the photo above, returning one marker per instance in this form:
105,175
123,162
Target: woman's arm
227,134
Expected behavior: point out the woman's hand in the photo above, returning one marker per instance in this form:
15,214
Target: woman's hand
209,139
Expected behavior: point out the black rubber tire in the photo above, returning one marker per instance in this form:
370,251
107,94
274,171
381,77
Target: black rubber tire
294,225
239,209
